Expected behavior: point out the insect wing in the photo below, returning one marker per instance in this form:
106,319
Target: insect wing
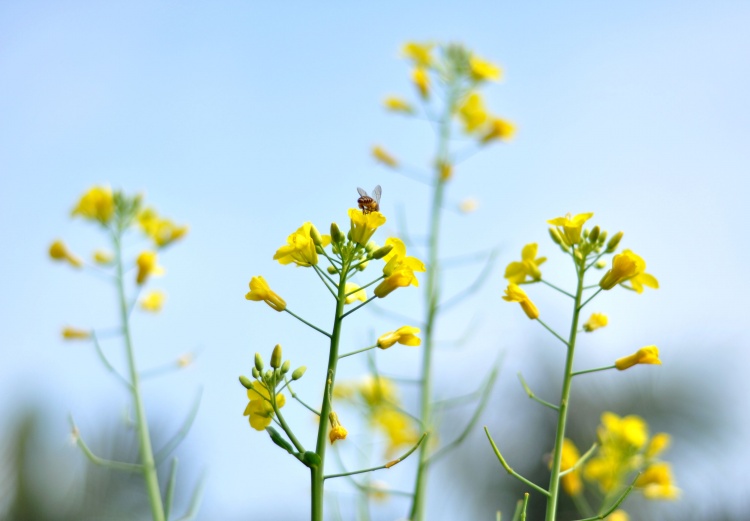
376,193
362,192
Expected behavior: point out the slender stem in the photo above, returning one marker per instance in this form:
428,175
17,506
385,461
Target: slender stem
509,470
357,351
366,285
170,488
581,460
323,277
316,328
283,424
614,505
533,396
96,460
589,299
562,417
379,467
294,395
144,438
593,370
525,505
356,308
106,363
558,289
561,339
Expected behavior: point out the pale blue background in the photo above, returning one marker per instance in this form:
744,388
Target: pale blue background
246,119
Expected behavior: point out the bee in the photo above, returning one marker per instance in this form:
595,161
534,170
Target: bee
369,204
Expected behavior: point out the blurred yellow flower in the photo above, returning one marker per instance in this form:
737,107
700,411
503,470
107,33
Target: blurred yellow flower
472,112
405,335
516,272
377,391
643,279
515,294
259,408
357,295
421,81
259,290
300,248
595,321
659,443
482,70
382,156
147,266
96,205
645,355
396,104
72,333
419,53
363,225
103,257
657,482
570,227
571,482
499,129
153,301
162,231
59,252
625,266
619,515
398,428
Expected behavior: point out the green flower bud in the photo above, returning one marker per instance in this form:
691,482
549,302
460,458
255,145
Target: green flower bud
336,235
285,367
278,440
258,362
362,266
246,383
276,357
382,252
614,242
331,270
602,237
594,235
256,373
297,374
371,247
315,236
311,459
268,376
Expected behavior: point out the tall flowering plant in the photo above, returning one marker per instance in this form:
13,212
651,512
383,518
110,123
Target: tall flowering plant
117,216
624,457
346,256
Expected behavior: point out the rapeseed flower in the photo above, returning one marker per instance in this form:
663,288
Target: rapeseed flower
517,272
513,293
259,290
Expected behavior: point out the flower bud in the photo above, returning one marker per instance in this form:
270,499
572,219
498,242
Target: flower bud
371,247
268,376
336,235
331,270
602,237
382,251
297,374
285,367
594,234
614,242
256,373
558,239
258,362
276,357
278,440
246,383
315,236
362,266
311,459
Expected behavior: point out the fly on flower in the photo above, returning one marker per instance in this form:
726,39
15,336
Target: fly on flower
369,204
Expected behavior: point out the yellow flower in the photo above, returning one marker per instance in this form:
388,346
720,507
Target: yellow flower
259,290
619,515
97,204
397,427
643,279
515,294
300,248
596,320
378,391
363,225
419,53
357,295
59,252
396,104
445,169
259,409
499,129
482,70
405,335
516,272
625,266
147,266
468,205
103,257
153,302
657,482
472,112
645,355
571,481
337,432
399,269
398,279
421,81
630,431
162,231
570,227
382,156
659,443
72,333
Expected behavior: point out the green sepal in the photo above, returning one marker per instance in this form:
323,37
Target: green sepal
278,440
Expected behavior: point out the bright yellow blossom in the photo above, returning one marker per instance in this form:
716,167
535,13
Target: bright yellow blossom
657,482
399,269
421,81
396,104
419,53
147,266
398,279
72,333
625,266
595,321
337,432
658,444
300,248
472,112
499,129
97,204
515,294
516,272
643,279
357,295
259,409
382,156
570,227
59,252
363,225
482,70
103,257
405,335
162,231
645,355
377,391
259,290
154,301
398,428
571,482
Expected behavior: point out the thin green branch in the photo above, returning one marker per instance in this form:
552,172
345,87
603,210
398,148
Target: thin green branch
386,466
581,460
473,287
533,396
196,500
367,488
169,497
175,441
166,368
556,288
294,395
595,261
285,426
316,328
106,363
323,277
356,308
615,505
593,370
510,471
589,299
525,505
561,339
96,460
357,351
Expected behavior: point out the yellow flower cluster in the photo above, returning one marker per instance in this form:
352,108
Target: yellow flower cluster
399,268
300,247
259,409
162,231
97,204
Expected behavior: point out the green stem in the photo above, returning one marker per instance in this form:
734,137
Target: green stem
357,351
316,472
562,418
593,370
144,438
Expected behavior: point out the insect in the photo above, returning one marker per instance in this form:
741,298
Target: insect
369,204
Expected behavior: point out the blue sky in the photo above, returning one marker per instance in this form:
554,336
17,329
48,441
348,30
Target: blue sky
245,120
